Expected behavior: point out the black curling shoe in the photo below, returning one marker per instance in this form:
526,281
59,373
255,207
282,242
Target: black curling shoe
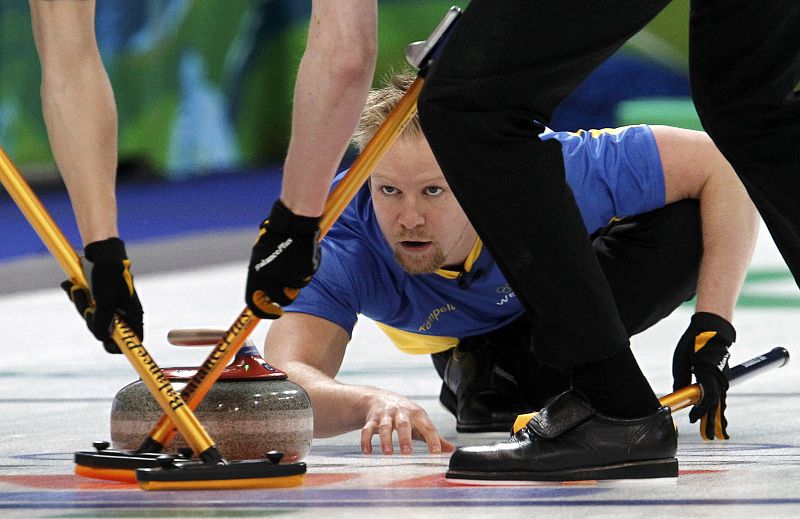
482,411
569,441
473,389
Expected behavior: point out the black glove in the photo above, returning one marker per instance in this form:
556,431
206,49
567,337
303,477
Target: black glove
112,292
284,258
703,349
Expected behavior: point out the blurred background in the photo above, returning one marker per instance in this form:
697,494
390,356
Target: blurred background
204,89
205,86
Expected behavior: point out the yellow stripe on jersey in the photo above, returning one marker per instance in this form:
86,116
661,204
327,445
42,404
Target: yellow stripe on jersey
472,257
597,133
417,343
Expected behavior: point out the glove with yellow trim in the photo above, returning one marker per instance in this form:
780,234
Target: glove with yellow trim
283,260
703,350
112,292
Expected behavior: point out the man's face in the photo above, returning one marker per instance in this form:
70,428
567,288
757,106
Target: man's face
418,214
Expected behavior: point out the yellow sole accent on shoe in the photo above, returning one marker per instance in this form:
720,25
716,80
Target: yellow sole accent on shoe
521,421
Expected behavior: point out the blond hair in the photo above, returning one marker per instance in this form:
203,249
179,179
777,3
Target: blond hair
380,103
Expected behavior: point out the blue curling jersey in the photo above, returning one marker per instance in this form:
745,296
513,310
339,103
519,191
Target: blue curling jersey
613,173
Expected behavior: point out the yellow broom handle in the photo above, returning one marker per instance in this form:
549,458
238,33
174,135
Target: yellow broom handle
370,156
40,220
130,345
682,398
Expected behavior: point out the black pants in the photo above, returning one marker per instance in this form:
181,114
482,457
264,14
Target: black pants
651,262
509,62
745,71
512,61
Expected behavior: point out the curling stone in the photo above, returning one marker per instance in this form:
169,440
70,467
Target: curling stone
251,409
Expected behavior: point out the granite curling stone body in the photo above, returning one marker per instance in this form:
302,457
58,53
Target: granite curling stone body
250,410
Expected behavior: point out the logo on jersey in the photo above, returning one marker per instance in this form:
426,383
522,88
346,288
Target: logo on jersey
434,316
507,293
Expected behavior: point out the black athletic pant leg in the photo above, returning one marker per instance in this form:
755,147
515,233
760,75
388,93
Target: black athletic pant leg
652,262
507,63
745,71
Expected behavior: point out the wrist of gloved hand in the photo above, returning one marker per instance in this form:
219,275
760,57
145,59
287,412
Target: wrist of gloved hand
111,249
282,220
706,321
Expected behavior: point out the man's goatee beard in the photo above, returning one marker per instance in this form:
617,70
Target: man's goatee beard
419,264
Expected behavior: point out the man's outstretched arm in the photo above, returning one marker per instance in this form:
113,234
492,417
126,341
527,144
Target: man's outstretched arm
310,350
694,168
